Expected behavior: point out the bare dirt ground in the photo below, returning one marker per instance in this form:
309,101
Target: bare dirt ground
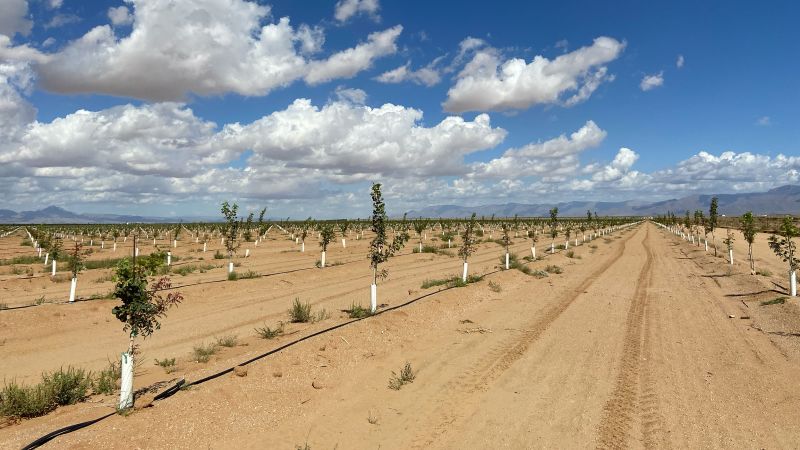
645,341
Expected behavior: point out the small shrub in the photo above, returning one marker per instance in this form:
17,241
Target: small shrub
202,353
218,255
40,301
102,263
105,278
228,341
570,254
269,333
553,269
299,312
68,387
494,287
560,247
184,270
774,301
60,278
233,276
427,249
539,273
406,376
249,274
168,364
56,388
764,273
106,381
358,312
321,315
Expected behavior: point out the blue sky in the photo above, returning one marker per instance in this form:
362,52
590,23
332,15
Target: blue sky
517,101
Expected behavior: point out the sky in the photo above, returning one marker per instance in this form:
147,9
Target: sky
169,107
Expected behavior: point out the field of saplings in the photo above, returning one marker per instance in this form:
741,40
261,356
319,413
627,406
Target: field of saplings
479,332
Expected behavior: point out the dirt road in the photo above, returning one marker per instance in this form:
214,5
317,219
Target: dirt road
631,347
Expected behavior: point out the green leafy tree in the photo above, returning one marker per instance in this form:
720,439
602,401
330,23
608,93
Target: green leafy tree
468,244
380,249
783,244
262,227
553,226
142,308
248,228
749,234
711,224
75,260
231,229
326,236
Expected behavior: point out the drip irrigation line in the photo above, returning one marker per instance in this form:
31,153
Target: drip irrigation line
182,384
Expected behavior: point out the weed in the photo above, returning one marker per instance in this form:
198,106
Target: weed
300,312
102,263
105,278
233,276
202,353
494,287
570,254
553,269
358,311
228,340
56,388
19,260
372,419
406,376
426,249
268,333
3,306
539,273
219,255
106,380
40,301
775,301
321,315
764,273
168,364
249,274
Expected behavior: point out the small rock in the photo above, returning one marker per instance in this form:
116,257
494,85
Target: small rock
240,371
317,384
731,316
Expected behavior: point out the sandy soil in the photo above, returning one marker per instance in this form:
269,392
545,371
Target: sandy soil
633,346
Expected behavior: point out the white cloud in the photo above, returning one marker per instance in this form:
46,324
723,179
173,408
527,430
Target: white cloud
357,96
49,42
427,76
120,15
680,61
488,84
55,4
15,111
652,81
205,47
14,18
347,63
345,9
619,167
764,121
552,158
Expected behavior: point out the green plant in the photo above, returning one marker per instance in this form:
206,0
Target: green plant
300,312
407,375
749,234
231,228
775,301
553,269
357,311
229,340
218,255
106,381
233,276
269,333
168,364
202,353
764,273
539,273
784,246
711,224
570,254
55,389
380,249
75,260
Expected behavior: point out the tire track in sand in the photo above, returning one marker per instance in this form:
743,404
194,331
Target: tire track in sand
634,390
494,363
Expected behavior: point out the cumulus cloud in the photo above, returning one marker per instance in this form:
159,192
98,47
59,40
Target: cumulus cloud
345,9
553,158
619,167
487,83
14,18
205,47
120,15
352,95
680,61
652,81
427,76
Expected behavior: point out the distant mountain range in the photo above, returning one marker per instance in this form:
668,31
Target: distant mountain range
782,200
54,214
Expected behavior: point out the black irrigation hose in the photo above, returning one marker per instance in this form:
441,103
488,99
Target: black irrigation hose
182,384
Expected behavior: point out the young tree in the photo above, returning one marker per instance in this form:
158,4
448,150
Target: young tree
785,248
380,249
711,224
248,227
567,234
467,245
140,312
504,227
343,227
262,227
728,241
55,250
699,223
553,228
420,226
534,238
307,225
75,265
749,233
231,231
326,236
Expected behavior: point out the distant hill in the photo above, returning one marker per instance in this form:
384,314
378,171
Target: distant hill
54,214
782,200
